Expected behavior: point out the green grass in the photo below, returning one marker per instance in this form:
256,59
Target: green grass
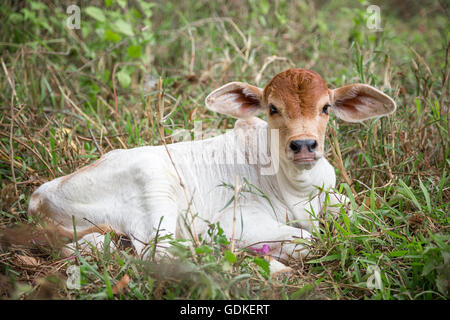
76,94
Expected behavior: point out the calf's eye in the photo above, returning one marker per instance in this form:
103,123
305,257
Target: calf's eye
272,109
325,108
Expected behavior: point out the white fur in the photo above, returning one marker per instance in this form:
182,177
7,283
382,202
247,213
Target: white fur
130,190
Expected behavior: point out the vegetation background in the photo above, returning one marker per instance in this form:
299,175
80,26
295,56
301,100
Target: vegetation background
67,96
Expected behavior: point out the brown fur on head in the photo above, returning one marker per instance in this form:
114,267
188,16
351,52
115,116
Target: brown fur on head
297,103
299,96
296,87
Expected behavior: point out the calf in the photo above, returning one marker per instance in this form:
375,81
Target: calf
180,188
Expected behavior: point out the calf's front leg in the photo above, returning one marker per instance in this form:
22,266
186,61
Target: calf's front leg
259,231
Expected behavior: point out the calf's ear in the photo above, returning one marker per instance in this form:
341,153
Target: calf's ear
358,102
236,99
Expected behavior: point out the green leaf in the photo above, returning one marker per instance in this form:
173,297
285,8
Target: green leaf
15,17
302,241
230,257
395,235
122,3
134,51
344,255
265,6
124,27
29,15
302,291
203,249
227,204
325,259
408,194
112,36
418,107
96,13
106,246
426,194
398,253
124,78
107,280
264,264
429,266
35,5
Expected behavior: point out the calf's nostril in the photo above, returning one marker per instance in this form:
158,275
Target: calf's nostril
312,146
295,146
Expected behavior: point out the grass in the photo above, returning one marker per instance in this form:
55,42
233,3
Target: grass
69,96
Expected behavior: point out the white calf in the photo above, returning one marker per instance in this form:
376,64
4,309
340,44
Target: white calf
146,191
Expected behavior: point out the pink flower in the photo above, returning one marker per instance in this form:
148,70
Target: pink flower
265,249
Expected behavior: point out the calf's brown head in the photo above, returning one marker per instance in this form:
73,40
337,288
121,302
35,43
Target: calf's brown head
297,103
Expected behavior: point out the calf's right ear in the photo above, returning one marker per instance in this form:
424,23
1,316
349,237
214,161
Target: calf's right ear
236,99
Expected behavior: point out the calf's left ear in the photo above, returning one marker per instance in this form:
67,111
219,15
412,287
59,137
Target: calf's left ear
236,99
358,102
